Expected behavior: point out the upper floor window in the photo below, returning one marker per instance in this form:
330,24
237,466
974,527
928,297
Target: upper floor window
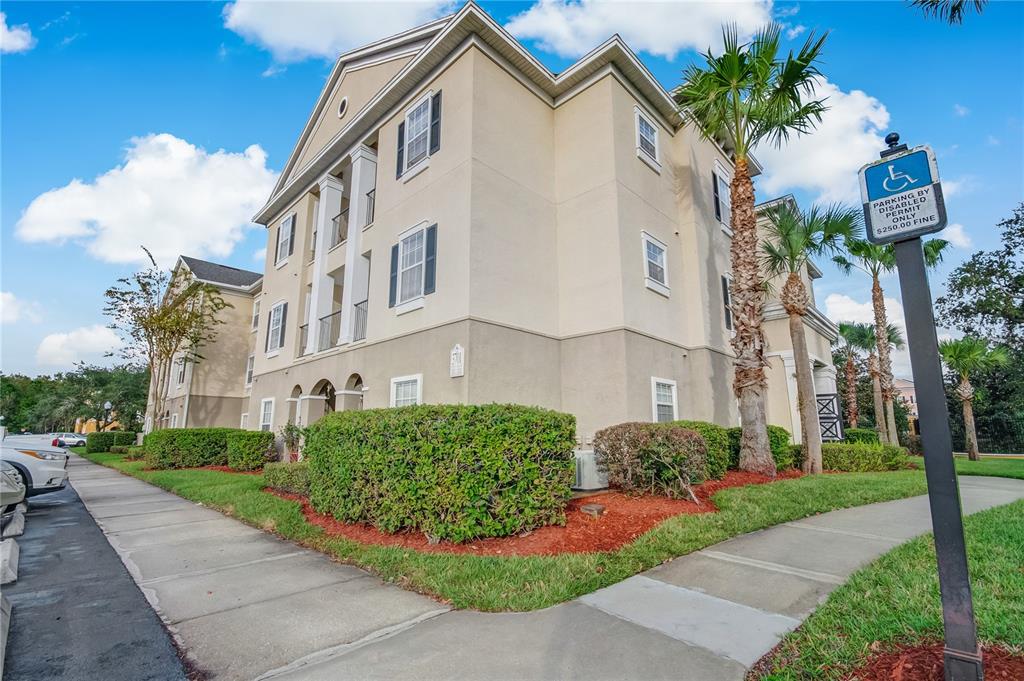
413,265
419,135
256,314
647,140
249,364
723,202
174,420
727,301
181,371
276,327
406,390
285,240
655,265
663,400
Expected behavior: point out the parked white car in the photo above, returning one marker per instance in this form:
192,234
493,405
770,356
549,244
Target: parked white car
68,440
40,467
12,491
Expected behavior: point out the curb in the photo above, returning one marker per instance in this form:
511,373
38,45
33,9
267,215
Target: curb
8,561
16,526
5,626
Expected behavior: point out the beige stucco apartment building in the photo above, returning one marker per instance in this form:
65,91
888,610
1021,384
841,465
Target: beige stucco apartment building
457,224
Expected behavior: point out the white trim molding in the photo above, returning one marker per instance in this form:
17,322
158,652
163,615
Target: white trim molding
655,382
406,379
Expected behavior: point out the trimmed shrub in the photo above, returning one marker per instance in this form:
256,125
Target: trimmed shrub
288,477
778,442
454,472
136,452
248,450
866,435
652,458
187,447
118,449
914,447
797,452
99,442
716,438
860,457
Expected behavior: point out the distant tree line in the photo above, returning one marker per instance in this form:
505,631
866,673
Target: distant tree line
52,403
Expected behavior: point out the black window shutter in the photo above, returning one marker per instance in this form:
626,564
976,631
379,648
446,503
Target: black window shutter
266,344
435,123
393,286
291,235
401,149
727,303
718,205
430,261
277,243
284,319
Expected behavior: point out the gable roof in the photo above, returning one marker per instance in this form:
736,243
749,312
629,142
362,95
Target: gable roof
217,274
443,37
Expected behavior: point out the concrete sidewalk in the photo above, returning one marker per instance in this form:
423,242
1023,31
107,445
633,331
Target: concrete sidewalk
247,605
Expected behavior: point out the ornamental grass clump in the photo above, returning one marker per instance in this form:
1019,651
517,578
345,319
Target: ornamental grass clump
453,472
652,458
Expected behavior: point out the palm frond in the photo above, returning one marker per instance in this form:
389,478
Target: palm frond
950,11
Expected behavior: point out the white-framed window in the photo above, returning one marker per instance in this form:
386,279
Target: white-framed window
249,364
655,264
181,371
727,302
244,424
723,201
412,254
663,400
275,327
174,420
417,132
256,314
285,240
267,413
407,390
647,140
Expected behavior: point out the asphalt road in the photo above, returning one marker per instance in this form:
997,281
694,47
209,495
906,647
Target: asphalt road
78,614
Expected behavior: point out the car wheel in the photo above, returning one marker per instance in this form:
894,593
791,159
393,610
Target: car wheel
21,478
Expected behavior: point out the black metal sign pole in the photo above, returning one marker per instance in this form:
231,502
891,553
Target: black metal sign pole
962,655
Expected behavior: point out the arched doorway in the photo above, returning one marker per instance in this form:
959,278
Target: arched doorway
352,395
325,389
293,405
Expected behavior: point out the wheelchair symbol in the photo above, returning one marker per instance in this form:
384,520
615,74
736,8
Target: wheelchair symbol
897,180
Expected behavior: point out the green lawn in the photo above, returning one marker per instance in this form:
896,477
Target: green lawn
526,583
896,600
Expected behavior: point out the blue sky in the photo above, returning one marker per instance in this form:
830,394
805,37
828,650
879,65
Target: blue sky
128,114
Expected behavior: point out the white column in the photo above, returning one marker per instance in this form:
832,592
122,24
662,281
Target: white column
322,284
357,269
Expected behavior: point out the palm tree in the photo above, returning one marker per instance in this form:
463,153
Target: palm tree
855,337
950,11
875,260
886,431
967,356
747,95
793,239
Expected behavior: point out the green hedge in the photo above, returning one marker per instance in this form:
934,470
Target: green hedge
99,442
118,449
454,472
288,477
249,450
187,447
652,458
717,440
865,435
136,452
778,442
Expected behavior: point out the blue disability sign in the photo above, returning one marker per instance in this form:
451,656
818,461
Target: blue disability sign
898,175
902,196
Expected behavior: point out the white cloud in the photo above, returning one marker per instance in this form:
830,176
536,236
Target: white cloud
956,235
992,141
15,38
571,28
959,110
795,31
842,308
168,195
960,185
826,161
64,349
260,254
13,309
294,31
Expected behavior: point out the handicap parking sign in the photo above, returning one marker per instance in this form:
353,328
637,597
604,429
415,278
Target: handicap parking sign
902,196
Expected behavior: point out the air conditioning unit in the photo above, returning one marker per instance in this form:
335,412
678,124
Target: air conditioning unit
587,475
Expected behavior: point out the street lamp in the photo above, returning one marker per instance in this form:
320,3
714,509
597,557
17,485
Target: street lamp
106,416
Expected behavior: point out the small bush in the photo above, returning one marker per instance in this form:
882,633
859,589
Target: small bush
248,450
187,447
861,458
453,472
913,443
99,442
653,458
797,452
135,453
118,449
865,435
716,438
778,442
288,477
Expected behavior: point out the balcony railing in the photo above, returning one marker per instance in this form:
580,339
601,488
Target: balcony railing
359,321
303,340
328,331
339,228
371,202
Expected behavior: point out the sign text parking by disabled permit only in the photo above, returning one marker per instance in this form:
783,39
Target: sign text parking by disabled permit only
902,196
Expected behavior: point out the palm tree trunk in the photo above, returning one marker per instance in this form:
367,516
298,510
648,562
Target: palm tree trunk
884,361
890,414
965,391
876,390
747,293
852,408
809,426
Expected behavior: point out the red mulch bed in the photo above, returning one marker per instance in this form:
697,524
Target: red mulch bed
625,518
924,663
